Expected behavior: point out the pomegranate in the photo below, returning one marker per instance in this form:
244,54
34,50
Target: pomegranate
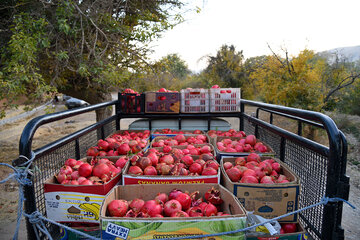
121,162
195,168
227,165
195,212
152,208
234,174
71,162
150,170
249,179
240,161
161,197
210,210
123,149
67,170
179,214
61,177
85,170
144,162
185,200
250,139
135,170
101,169
212,163
209,171
92,151
253,157
213,196
75,175
174,193
188,160
168,159
267,180
276,166
171,207
118,208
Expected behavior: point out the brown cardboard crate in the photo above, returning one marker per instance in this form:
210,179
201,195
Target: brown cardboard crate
266,200
76,203
126,228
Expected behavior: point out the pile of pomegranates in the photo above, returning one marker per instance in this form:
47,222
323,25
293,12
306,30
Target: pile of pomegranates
121,143
176,164
239,145
95,172
172,131
229,133
175,204
251,169
179,139
196,149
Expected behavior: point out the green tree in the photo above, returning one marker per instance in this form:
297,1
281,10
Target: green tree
80,48
170,72
226,68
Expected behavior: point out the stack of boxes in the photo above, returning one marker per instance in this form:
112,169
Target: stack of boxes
81,204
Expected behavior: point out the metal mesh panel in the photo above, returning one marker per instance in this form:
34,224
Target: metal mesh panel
109,128
44,168
311,168
249,128
87,141
270,138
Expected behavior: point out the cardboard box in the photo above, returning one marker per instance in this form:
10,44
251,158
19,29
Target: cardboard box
76,203
162,102
130,179
143,228
221,154
266,200
195,100
300,234
225,99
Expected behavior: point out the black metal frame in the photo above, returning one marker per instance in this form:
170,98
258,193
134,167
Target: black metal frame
307,157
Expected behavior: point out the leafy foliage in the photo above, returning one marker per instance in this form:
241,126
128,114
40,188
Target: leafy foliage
80,48
226,68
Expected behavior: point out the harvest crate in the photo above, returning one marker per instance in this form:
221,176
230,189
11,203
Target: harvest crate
132,103
162,102
194,100
224,99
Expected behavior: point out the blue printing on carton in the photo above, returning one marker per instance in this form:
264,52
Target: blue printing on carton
291,206
115,231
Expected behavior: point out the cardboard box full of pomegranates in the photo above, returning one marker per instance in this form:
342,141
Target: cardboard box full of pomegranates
69,203
168,227
268,198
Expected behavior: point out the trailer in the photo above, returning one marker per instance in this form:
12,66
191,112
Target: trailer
321,168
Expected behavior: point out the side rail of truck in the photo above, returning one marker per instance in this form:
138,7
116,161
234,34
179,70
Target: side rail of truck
321,168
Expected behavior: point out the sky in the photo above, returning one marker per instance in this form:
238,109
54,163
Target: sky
252,25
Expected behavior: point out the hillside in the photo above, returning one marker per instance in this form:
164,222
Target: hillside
351,54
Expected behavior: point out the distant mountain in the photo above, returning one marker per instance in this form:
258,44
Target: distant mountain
351,54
